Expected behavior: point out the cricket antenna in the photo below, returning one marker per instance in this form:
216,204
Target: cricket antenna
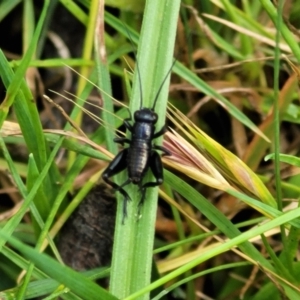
137,66
162,84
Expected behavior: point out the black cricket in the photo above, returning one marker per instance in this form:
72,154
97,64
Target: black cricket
141,153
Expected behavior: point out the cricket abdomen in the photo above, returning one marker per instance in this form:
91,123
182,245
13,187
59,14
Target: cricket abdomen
139,152
138,157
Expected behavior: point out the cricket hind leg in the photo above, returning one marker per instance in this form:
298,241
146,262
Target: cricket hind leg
117,165
156,167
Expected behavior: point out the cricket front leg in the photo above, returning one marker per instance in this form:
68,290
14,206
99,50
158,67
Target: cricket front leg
160,132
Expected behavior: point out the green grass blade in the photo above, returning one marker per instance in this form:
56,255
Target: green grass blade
7,6
132,256
286,158
199,274
13,88
214,215
40,200
11,225
286,33
239,240
30,125
78,283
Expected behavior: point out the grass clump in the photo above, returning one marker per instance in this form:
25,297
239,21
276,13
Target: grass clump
226,225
